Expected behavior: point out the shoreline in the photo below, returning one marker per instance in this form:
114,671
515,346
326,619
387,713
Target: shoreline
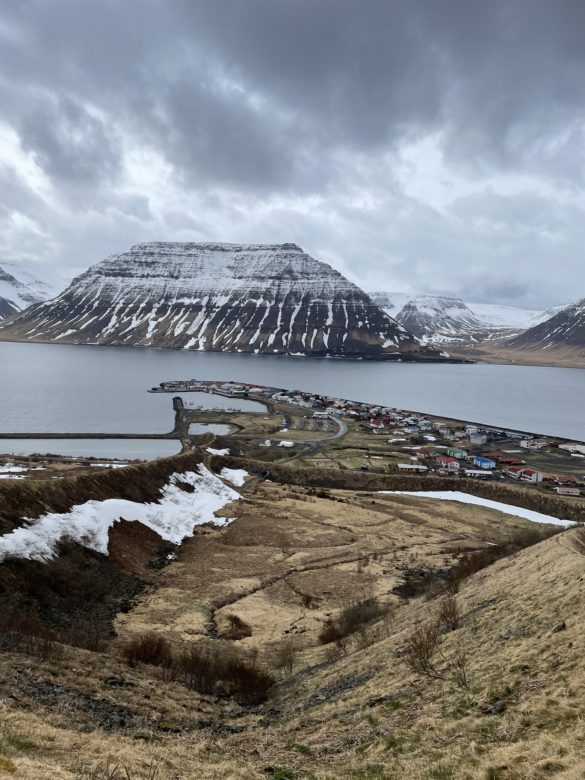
456,358
391,357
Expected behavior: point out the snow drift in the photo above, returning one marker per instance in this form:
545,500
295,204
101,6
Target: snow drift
467,498
188,500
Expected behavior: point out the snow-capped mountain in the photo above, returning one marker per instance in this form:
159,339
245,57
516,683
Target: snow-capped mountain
440,320
221,297
22,284
446,320
434,318
565,329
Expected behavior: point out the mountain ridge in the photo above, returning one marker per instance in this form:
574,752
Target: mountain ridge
564,329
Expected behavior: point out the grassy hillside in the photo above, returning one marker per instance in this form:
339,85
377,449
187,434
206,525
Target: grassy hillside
389,657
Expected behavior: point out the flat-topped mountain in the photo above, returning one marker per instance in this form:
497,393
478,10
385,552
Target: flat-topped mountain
254,298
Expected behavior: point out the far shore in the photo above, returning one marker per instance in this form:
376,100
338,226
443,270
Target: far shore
458,355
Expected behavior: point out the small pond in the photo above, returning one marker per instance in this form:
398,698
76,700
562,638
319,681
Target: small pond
196,429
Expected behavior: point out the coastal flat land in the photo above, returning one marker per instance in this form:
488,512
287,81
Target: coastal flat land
559,357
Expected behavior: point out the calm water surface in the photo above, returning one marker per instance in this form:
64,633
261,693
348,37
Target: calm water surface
63,388
123,449
196,429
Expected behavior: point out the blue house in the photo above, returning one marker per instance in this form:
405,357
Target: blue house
484,463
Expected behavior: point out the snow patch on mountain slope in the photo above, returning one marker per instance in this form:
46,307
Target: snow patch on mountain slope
173,518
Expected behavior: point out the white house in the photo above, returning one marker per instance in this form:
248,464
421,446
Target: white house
573,446
533,444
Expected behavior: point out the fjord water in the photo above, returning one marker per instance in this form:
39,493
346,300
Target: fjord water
121,449
64,388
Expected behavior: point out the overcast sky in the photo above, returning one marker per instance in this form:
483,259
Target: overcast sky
416,145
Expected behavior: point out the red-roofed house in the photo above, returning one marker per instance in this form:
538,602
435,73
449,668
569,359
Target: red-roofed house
445,462
561,479
529,475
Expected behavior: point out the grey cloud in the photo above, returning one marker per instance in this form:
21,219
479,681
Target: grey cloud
15,195
276,121
502,80
68,142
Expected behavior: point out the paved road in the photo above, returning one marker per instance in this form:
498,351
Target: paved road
311,448
342,428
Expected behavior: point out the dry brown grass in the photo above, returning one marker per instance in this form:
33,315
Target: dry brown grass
289,563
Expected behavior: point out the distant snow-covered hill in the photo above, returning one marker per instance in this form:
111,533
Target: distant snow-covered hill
510,317
223,297
444,320
436,319
22,284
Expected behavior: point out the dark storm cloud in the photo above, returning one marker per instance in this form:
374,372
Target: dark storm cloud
262,120
504,79
68,142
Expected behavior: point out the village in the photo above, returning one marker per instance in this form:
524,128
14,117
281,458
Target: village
333,432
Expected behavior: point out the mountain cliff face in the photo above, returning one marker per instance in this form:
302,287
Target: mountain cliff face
565,329
222,297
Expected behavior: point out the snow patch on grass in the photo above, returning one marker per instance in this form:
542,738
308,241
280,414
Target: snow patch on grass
467,498
236,476
173,517
213,451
